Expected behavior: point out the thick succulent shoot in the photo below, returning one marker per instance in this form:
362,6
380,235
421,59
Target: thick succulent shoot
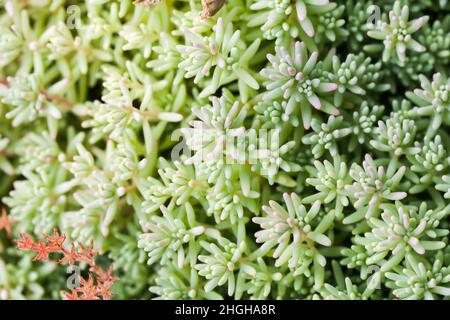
291,77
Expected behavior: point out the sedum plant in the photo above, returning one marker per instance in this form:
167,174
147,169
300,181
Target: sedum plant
397,34
261,149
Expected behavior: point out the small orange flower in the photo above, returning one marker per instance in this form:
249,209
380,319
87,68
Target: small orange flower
70,296
42,251
26,244
70,257
5,223
56,240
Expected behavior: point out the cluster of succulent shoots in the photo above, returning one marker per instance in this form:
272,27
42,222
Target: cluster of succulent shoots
256,149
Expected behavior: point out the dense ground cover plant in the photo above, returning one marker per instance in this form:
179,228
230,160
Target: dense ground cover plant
264,149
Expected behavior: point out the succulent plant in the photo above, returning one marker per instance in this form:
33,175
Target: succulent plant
262,149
